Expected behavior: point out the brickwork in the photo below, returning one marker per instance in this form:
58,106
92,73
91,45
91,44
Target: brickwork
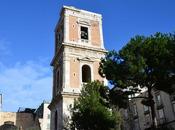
95,33
73,29
74,73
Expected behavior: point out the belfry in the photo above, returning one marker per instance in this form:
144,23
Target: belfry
78,49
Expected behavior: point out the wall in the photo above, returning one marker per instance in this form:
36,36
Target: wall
95,33
166,105
46,118
74,72
21,120
73,29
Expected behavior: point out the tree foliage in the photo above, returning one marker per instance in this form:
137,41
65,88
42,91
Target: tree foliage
91,110
144,62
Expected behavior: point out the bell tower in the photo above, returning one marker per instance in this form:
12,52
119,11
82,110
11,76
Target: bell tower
78,50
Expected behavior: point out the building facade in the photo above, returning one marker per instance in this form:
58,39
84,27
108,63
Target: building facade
21,120
78,49
43,115
138,116
27,118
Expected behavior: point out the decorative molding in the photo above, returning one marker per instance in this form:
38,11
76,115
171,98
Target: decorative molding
85,22
94,48
83,12
85,59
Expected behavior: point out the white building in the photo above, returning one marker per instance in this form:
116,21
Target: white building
43,116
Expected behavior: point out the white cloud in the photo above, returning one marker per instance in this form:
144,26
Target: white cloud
25,84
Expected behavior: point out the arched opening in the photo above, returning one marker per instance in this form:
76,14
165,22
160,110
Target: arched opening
56,117
86,73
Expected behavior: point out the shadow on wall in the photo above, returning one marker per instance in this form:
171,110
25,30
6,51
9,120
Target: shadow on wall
27,120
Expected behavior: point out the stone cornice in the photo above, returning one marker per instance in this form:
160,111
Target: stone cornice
56,99
85,47
76,46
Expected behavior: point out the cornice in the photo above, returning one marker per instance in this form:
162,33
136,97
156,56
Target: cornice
85,47
63,45
56,99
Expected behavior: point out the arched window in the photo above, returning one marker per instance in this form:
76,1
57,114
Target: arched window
86,73
56,117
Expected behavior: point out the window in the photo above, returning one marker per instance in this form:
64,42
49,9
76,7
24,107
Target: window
59,35
56,117
86,73
158,100
126,113
146,108
48,116
84,33
147,120
135,110
161,118
161,113
136,124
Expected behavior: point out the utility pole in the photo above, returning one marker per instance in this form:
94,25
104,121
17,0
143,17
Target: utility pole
0,102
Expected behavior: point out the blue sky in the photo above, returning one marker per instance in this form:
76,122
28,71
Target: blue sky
27,39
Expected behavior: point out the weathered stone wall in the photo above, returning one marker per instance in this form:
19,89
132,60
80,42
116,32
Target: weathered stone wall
21,120
7,116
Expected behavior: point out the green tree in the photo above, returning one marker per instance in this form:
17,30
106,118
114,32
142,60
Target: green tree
144,62
91,110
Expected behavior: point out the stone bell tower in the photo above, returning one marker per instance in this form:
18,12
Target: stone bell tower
78,50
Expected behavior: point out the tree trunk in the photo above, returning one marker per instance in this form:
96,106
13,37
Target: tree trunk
152,105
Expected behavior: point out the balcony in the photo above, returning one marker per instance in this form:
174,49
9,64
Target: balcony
146,112
147,125
84,41
161,121
135,116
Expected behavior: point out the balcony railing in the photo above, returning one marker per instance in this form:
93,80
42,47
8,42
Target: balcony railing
146,112
159,105
84,40
161,121
135,116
